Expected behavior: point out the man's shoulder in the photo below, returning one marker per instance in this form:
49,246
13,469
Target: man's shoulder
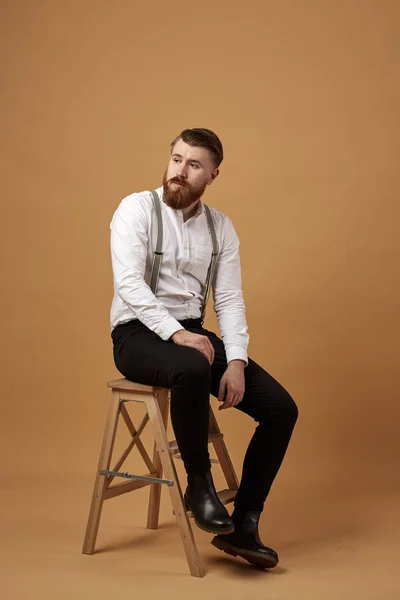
138,200
136,206
144,198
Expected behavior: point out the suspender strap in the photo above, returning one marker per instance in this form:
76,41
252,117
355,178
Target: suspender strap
158,253
213,264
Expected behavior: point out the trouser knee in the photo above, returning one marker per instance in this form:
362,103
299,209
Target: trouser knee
289,411
283,412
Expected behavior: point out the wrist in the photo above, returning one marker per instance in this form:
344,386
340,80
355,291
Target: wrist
237,363
177,335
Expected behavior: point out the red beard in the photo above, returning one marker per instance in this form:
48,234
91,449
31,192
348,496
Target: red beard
180,196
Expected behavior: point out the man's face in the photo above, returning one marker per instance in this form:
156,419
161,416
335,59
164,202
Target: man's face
190,170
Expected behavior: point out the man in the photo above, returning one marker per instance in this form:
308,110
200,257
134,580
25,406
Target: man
159,339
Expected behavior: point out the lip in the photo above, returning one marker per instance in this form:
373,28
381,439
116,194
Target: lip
177,183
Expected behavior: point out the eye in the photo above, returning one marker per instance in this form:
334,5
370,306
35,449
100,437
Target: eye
194,165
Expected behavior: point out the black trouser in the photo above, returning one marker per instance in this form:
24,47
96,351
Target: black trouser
142,356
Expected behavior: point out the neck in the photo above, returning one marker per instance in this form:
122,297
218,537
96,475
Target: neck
190,210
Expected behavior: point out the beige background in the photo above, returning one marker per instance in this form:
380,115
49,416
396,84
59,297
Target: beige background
305,96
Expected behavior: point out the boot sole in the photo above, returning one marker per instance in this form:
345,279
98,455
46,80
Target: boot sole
205,528
267,562
214,531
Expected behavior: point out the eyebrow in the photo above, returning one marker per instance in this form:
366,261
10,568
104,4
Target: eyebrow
189,160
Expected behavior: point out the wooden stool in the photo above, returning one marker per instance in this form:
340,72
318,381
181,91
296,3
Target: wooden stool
156,401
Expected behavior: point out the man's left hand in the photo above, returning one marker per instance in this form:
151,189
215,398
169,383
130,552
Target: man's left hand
231,389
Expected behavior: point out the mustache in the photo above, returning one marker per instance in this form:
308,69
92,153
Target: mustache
177,180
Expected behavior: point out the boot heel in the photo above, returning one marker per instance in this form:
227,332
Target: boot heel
222,546
186,503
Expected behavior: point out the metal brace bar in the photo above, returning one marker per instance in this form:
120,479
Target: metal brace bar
178,456
141,477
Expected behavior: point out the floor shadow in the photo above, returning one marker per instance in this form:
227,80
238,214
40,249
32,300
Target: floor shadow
240,568
141,538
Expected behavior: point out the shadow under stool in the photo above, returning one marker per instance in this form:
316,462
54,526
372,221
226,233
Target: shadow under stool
161,468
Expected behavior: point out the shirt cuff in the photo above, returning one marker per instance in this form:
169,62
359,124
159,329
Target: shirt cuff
168,328
236,353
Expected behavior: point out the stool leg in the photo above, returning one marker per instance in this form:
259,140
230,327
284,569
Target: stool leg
155,489
175,491
223,455
101,480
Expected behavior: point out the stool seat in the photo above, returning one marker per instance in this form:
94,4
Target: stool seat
126,384
156,401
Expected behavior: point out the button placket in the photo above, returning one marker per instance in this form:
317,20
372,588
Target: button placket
185,252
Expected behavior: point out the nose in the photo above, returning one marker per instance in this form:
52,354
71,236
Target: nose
181,171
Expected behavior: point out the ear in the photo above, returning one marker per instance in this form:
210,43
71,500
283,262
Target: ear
214,176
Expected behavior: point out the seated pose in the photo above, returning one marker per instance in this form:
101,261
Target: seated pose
168,251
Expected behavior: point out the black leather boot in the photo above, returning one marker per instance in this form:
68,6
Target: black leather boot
202,499
245,541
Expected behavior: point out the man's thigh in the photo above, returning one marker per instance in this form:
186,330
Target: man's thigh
142,356
263,395
219,365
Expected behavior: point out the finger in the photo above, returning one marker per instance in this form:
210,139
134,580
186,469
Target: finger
210,348
204,340
204,350
212,354
222,390
238,397
210,351
224,406
228,401
235,400
207,355
238,400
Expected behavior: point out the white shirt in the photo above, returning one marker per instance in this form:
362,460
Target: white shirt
187,248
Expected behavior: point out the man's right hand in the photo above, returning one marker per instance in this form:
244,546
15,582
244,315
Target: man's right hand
196,341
